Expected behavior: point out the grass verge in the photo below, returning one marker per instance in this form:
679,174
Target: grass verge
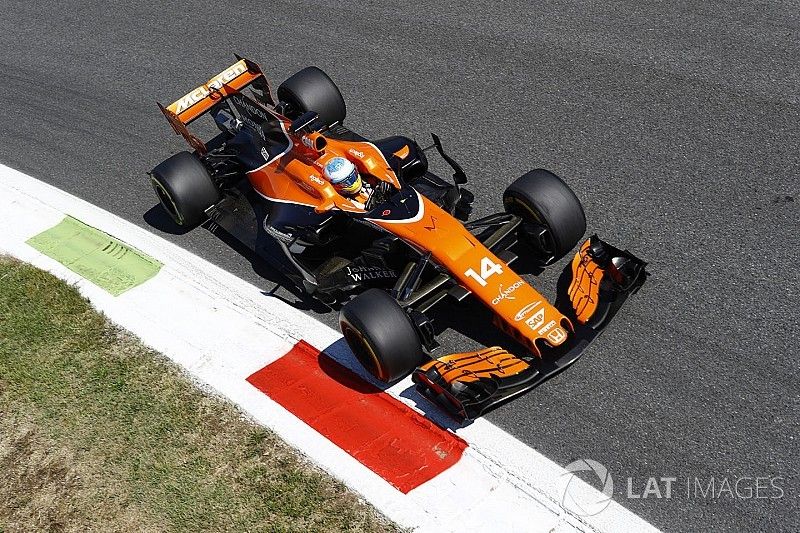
97,432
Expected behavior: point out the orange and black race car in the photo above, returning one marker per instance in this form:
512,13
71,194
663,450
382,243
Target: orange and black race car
363,225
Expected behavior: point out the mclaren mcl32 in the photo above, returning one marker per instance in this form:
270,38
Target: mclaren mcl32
400,244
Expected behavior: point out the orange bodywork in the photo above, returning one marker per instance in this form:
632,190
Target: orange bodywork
296,177
520,310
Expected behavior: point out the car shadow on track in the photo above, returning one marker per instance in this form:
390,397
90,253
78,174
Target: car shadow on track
264,270
158,219
340,352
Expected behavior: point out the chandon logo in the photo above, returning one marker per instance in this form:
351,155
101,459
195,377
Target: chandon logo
505,294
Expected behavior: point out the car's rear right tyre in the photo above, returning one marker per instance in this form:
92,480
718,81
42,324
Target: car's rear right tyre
184,188
381,335
312,90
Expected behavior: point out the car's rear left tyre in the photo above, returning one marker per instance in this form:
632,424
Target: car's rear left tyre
312,90
184,188
544,201
381,335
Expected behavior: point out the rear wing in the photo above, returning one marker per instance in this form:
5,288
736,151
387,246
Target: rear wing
200,100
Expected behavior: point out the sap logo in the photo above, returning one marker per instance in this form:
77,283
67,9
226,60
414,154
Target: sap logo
525,310
265,153
213,85
536,320
353,151
505,294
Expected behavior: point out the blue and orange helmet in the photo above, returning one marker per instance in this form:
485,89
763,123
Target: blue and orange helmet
343,175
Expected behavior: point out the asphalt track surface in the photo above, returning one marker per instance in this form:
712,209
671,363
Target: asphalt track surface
677,125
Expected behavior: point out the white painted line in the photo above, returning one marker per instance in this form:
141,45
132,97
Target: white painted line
221,329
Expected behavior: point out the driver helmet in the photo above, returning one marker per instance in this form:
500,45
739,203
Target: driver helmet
343,175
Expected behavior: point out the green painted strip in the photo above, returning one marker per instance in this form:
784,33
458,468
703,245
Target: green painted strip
97,256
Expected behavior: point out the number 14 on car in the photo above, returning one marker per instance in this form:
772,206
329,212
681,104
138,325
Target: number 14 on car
488,267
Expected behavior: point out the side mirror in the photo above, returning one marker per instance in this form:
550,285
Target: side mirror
303,121
459,177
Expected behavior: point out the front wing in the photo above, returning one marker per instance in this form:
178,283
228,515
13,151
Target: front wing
591,290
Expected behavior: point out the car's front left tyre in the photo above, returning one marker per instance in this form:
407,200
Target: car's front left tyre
381,335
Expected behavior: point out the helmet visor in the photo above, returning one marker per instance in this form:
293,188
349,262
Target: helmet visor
350,183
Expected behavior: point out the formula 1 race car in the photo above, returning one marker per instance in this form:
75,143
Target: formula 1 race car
396,241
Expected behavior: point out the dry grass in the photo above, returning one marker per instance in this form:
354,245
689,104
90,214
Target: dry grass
99,433
45,487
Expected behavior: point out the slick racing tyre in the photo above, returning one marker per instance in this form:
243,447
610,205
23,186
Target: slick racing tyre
545,202
381,335
312,90
184,188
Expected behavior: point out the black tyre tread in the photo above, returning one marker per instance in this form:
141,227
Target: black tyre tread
554,202
312,90
189,186
380,320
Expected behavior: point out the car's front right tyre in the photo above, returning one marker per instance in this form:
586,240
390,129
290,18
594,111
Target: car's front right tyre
549,205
